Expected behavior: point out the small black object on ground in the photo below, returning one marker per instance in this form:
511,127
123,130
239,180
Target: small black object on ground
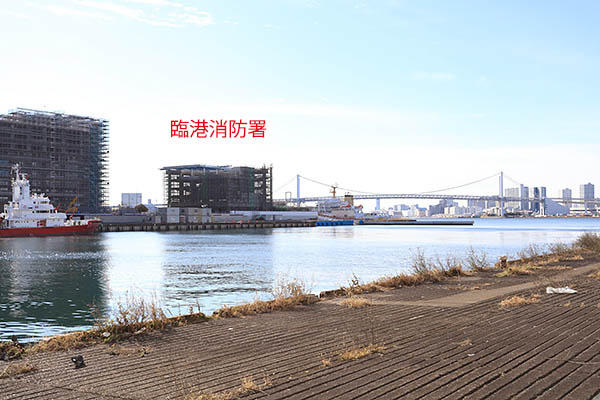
78,361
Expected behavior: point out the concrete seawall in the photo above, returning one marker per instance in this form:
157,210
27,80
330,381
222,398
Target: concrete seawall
202,227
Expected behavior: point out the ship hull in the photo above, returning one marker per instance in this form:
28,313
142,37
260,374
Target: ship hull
87,229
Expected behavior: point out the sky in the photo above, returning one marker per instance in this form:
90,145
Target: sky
379,96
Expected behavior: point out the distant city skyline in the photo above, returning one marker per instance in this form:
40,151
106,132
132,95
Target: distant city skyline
378,96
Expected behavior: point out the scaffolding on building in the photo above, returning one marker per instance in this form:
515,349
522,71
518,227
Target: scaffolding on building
221,188
65,156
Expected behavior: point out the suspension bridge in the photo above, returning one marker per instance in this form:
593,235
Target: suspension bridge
539,197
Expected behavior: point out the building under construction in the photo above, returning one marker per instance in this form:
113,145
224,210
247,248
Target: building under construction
65,156
222,188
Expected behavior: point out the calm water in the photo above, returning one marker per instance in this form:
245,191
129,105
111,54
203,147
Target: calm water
50,285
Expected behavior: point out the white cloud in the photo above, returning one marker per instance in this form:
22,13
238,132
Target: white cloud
62,11
152,12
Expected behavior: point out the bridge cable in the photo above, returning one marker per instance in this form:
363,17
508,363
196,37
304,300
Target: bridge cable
459,186
284,185
428,192
512,180
325,184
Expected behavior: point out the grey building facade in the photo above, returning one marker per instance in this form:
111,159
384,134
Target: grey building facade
65,157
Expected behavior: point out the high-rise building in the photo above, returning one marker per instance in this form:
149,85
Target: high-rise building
222,188
65,157
536,196
512,192
586,192
525,204
131,199
566,194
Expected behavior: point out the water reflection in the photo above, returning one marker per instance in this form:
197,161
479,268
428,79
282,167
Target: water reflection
210,267
47,283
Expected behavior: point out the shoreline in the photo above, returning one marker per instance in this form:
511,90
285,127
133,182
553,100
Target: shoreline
346,344
440,267
342,343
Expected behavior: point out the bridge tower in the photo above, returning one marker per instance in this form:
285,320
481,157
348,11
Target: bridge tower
298,191
501,193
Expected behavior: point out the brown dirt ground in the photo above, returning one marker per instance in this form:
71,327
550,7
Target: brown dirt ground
448,340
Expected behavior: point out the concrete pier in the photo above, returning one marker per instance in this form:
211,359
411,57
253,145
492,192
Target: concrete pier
207,226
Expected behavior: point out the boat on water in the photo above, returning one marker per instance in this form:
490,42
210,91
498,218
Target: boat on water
33,215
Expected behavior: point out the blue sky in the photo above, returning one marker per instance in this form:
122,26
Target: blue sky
392,96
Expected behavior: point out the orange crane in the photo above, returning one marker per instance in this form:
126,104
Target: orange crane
72,207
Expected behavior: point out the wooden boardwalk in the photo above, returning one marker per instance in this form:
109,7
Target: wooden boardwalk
445,341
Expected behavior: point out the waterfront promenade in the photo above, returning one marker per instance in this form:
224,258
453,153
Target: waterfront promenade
446,340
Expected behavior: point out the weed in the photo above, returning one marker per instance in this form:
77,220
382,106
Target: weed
285,287
11,351
588,241
325,361
420,265
247,386
137,310
516,301
355,302
134,316
287,294
527,269
118,350
595,275
475,261
261,306
17,368
361,351
559,248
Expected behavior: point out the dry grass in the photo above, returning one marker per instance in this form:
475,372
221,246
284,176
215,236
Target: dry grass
588,241
466,342
120,350
535,256
17,368
134,317
355,302
287,295
261,306
361,351
424,271
326,362
289,287
247,386
516,301
524,269
477,261
595,275
11,351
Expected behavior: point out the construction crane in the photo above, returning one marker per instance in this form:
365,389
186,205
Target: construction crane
333,189
73,207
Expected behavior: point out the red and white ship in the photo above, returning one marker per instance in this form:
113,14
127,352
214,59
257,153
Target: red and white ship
33,214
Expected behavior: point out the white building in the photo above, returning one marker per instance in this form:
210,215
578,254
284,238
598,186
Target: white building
131,199
512,192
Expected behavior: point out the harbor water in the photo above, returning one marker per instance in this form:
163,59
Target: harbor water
59,284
